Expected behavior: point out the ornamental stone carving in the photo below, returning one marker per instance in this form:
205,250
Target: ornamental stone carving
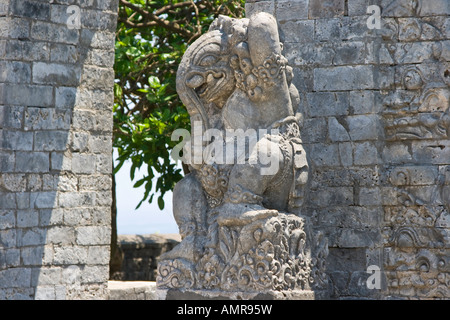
239,209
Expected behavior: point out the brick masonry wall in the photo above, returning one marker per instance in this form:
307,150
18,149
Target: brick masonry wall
56,101
376,130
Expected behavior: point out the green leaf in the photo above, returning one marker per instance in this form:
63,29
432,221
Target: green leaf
154,82
161,203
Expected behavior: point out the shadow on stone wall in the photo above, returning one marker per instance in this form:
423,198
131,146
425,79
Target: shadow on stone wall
140,255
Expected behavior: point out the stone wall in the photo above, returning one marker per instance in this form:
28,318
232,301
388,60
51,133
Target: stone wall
56,101
376,130
140,253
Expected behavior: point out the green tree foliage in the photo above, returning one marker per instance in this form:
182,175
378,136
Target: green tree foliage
151,38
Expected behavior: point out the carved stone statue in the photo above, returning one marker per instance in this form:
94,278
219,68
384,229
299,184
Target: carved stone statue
238,210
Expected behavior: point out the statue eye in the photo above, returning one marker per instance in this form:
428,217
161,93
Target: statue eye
208,60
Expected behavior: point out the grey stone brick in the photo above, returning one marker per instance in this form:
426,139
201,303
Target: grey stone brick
259,6
324,154
314,130
327,29
60,235
331,196
47,119
32,162
98,20
98,255
32,256
8,238
65,53
15,278
16,140
46,276
344,78
52,73
93,235
27,218
65,97
366,153
346,154
54,33
364,127
350,53
15,72
35,51
97,78
83,163
50,140
11,117
327,104
26,95
14,28
13,182
7,161
301,31
337,131
66,255
30,237
7,200
51,217
30,9
43,200
291,10
76,199
326,8
7,219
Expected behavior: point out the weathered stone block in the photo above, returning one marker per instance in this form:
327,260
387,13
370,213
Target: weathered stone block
344,78
366,153
66,255
14,28
332,196
43,200
26,95
326,8
15,72
50,140
65,97
83,163
31,237
327,29
364,127
16,140
52,73
336,131
93,235
27,218
45,31
32,162
7,219
298,31
15,278
30,9
324,154
322,104
291,10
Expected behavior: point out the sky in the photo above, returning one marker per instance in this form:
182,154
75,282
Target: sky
148,218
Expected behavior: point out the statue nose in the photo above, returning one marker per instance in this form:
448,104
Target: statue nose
195,81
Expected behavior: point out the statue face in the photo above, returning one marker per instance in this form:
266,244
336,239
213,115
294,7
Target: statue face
210,74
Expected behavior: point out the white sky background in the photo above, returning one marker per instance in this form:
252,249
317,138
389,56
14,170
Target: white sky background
148,218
